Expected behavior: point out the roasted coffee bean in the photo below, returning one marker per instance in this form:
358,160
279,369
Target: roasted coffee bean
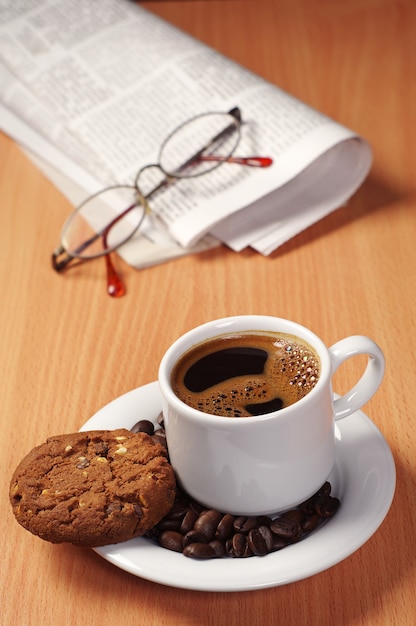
296,515
144,426
207,523
194,536
199,551
267,535
188,521
171,540
239,545
169,524
263,520
258,540
278,543
160,437
229,547
308,507
225,527
244,524
324,490
285,527
218,547
310,523
326,506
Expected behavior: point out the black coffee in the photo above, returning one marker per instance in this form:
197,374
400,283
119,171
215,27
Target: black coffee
246,374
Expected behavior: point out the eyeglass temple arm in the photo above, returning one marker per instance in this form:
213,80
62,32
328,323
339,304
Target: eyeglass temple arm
235,112
251,161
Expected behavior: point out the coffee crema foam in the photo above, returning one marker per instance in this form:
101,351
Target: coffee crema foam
246,374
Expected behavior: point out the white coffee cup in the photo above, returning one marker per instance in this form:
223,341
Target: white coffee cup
266,463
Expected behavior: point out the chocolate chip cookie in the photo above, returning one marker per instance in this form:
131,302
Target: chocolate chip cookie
93,488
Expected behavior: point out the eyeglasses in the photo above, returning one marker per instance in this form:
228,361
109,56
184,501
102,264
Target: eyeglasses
108,219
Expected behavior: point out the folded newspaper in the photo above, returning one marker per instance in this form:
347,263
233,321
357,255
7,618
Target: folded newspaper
90,89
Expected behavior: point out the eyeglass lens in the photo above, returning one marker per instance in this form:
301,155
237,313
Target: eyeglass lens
103,222
189,151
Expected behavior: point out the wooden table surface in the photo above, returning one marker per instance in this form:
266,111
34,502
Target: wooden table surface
67,349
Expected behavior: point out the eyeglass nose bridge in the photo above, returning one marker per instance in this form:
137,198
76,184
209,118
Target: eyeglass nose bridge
150,180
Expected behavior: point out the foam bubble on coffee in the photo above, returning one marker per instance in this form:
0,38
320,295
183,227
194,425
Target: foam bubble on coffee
246,374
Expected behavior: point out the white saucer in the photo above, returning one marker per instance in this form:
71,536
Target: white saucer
363,478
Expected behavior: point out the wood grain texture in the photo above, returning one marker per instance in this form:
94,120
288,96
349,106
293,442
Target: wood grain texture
67,349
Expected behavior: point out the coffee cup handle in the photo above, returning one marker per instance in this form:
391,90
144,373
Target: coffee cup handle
369,382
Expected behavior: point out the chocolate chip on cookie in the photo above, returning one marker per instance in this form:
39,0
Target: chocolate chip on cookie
93,488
